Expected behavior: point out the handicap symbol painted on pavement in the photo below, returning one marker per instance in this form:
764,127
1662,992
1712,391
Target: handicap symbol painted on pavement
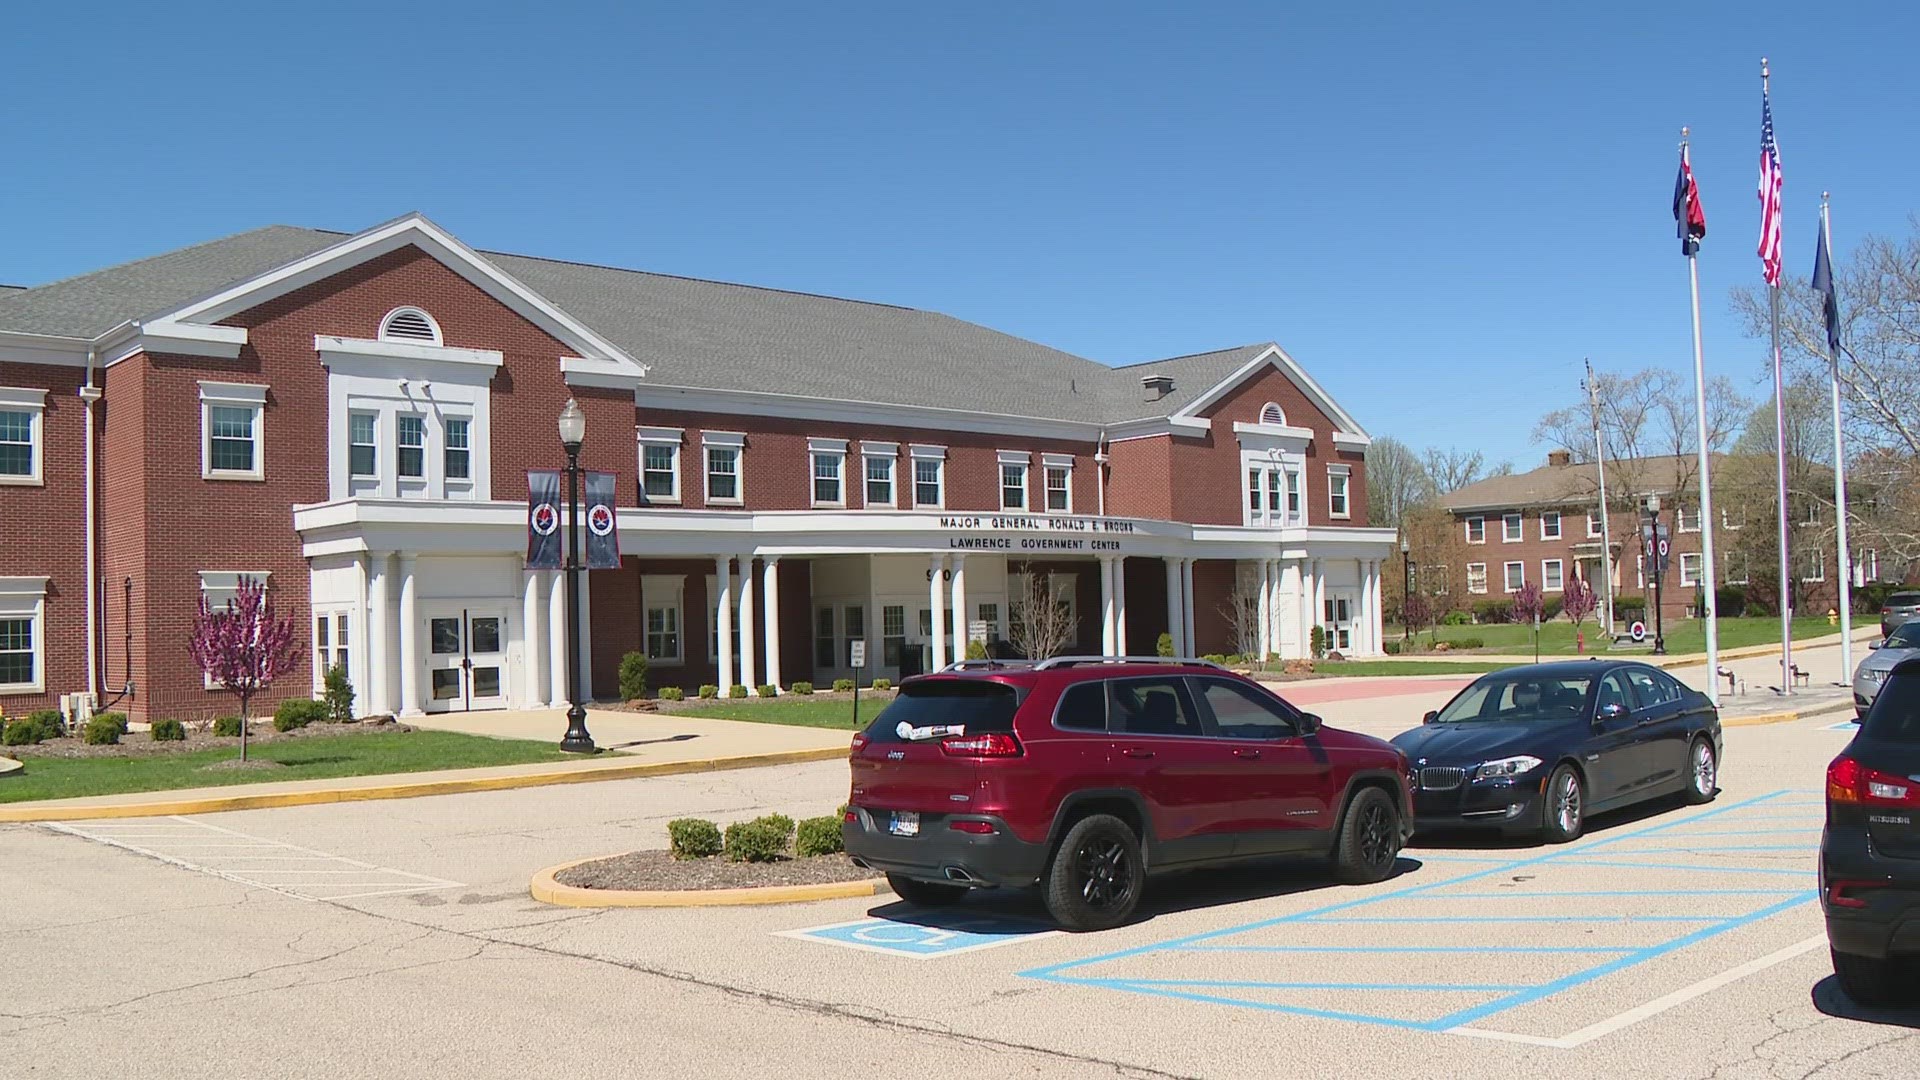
952,935
1844,725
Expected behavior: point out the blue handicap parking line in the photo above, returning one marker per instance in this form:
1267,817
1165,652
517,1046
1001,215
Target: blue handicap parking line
947,934
1844,725
1771,901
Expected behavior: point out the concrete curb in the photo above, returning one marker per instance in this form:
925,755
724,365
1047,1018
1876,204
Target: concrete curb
1789,715
23,812
547,890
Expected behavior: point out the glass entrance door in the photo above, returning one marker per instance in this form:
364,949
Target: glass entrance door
1339,620
466,661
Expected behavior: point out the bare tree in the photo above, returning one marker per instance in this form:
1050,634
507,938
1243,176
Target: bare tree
1040,613
1397,481
1451,469
1242,612
1648,430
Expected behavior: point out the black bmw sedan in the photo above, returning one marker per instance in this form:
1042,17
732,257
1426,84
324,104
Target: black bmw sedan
1538,749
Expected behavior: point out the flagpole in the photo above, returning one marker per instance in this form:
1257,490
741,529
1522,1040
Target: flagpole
1780,461
1839,474
1606,526
1707,525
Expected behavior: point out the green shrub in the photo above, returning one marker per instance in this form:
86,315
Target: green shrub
672,693
20,733
976,650
297,713
338,694
633,676
1468,643
1215,658
737,690
693,838
883,684
766,690
841,686
1391,648
709,691
168,731
102,731
1317,641
1235,659
119,720
1456,618
1493,611
1730,601
801,687
48,722
755,841
1164,646
817,836
779,823
227,727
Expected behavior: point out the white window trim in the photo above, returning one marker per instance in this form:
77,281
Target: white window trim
918,453
1819,569
1727,572
735,441
236,396
818,448
1728,523
1345,472
1694,578
26,598
33,402
1050,462
1275,407
888,452
220,586
1680,520
1024,461
1559,525
653,586
1594,529
385,379
1482,590
659,436
1506,585
1546,578
1467,528
386,321
413,484
1519,531
463,484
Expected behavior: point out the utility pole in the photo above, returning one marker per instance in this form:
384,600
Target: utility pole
1606,527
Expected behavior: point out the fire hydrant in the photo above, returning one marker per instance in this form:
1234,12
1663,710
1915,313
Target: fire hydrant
1833,617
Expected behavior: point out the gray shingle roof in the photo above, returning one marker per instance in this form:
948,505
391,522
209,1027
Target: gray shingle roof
695,333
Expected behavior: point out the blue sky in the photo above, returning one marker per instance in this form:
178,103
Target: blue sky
1438,216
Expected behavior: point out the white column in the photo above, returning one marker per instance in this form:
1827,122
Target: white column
410,663
557,636
532,646
723,620
1304,601
1120,605
1320,597
1263,610
1187,605
748,651
359,657
936,600
1176,621
770,586
959,609
379,692
1107,639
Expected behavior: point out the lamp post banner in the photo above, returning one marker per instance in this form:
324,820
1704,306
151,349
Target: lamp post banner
603,525
543,519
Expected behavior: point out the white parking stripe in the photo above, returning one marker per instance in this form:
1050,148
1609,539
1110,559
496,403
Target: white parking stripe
198,845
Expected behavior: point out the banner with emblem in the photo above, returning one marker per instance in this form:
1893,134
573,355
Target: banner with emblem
543,519
603,526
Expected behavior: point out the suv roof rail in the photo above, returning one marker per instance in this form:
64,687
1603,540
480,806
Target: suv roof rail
986,665
1077,661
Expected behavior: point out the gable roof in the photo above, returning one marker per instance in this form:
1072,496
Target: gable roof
1577,482
694,333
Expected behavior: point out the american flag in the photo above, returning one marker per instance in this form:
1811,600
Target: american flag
1769,195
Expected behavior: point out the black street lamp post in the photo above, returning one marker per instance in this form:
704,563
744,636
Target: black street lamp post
1659,573
1406,595
573,432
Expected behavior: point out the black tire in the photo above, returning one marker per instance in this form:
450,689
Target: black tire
1876,984
1563,809
1369,839
1703,772
1095,876
925,893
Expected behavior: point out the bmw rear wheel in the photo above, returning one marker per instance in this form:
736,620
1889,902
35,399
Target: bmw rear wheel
1703,772
1565,812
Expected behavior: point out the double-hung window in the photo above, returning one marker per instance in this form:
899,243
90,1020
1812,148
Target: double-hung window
1476,530
1690,568
362,446
1512,528
230,423
1476,577
1516,576
1059,481
660,464
723,467
1013,479
1593,524
22,634
1552,575
1337,501
929,476
662,599
1550,525
411,446
876,464
457,456
829,471
21,434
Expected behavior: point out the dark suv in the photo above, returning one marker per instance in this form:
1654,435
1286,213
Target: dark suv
1084,775
1870,850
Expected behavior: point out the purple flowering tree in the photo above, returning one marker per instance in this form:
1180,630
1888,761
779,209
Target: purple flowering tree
1580,602
1528,606
243,647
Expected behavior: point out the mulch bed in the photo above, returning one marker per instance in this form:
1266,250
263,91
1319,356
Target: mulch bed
141,744
658,870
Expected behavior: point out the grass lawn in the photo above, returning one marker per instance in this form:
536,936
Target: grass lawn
1406,667
796,709
371,754
1683,635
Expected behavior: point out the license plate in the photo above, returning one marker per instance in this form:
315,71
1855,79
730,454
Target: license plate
904,823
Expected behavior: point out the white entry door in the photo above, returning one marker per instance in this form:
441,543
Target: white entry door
467,659
1341,606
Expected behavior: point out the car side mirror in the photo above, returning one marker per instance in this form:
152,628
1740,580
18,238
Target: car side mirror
1432,715
1611,711
1309,724
1876,643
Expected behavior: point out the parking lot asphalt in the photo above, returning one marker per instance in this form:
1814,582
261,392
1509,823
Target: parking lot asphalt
398,939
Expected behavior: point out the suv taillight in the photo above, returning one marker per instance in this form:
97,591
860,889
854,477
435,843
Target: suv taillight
991,744
1848,781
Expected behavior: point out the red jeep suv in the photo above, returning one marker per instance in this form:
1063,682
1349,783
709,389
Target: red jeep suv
1085,774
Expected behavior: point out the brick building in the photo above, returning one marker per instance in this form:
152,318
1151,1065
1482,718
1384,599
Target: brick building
352,419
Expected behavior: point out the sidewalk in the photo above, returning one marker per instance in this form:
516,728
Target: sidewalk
1671,660
642,744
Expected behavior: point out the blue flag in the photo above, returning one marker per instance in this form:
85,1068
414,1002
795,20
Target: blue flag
1823,284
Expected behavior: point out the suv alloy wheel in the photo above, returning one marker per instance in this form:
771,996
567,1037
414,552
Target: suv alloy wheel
1094,879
